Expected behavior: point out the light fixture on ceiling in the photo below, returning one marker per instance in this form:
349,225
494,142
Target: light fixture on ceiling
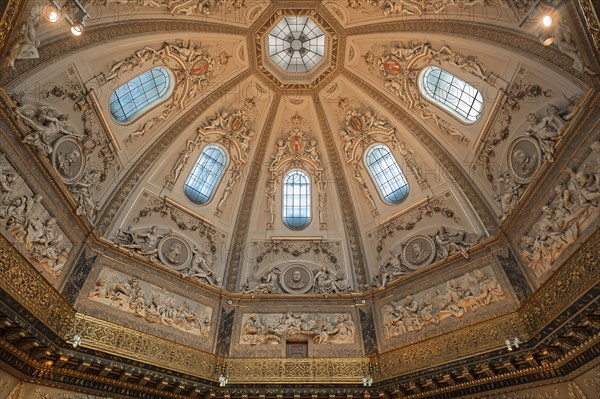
513,344
52,13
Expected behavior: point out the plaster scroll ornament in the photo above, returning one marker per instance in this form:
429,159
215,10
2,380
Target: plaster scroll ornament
201,269
418,7
153,304
24,217
475,290
271,329
330,282
231,129
192,64
268,283
297,148
576,205
25,43
399,66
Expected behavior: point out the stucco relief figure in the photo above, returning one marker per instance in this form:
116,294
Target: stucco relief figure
296,281
390,269
325,281
415,312
200,269
25,44
322,199
83,193
182,160
270,211
234,178
527,163
8,181
444,126
451,243
268,283
154,305
365,190
509,198
565,43
145,244
587,190
46,125
271,328
547,130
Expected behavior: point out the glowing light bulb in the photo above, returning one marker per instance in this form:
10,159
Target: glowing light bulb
76,29
547,20
53,16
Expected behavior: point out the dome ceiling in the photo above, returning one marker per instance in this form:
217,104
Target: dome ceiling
297,154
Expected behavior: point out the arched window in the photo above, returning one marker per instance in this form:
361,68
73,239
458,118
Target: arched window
386,174
296,213
139,94
206,174
453,94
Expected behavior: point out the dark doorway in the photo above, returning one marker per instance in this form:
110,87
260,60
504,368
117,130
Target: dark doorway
297,349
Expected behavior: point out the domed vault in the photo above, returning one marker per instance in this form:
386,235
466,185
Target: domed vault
311,198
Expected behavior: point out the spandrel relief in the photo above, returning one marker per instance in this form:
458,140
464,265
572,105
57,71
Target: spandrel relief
416,7
24,218
421,250
527,153
272,329
73,142
162,233
153,304
453,299
575,206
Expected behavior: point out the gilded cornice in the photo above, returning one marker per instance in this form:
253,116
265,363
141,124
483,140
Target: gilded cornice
592,25
501,37
27,286
59,48
149,157
9,20
437,149
348,212
135,345
242,224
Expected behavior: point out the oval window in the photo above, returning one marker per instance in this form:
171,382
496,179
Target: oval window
386,173
204,178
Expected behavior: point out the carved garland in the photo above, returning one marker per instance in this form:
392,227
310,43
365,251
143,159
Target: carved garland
193,67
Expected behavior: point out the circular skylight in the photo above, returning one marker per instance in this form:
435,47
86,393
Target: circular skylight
296,44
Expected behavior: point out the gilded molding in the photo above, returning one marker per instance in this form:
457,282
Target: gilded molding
437,149
107,33
527,46
132,344
27,286
323,370
591,22
8,21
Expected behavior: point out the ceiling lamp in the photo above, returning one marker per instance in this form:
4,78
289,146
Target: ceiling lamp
52,12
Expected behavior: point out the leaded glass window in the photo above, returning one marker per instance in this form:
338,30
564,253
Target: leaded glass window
296,212
206,174
452,93
386,174
296,44
140,94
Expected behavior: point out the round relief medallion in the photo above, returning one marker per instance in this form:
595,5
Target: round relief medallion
175,252
524,159
296,279
391,67
418,252
68,159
